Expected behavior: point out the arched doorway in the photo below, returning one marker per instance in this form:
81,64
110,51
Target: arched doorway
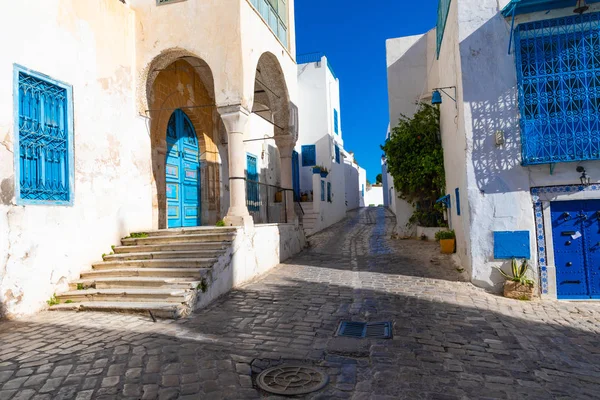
182,172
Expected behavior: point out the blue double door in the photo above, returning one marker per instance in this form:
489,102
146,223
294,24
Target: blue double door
182,172
576,237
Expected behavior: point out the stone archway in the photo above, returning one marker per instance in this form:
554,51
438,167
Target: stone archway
180,81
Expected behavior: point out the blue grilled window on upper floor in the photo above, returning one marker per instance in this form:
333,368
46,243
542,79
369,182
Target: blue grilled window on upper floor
43,122
336,124
558,72
275,14
337,154
442,18
309,155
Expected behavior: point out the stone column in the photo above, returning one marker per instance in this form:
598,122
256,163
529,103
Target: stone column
235,119
285,145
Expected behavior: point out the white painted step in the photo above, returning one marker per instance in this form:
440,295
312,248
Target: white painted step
159,263
152,255
133,282
128,295
193,273
188,231
191,246
168,239
158,309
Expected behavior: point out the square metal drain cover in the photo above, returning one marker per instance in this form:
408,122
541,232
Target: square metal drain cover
373,330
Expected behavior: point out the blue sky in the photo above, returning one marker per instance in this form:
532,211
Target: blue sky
352,34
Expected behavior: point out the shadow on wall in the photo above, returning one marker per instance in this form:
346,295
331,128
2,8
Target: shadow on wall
221,332
490,88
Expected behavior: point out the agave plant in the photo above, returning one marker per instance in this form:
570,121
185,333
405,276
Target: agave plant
519,272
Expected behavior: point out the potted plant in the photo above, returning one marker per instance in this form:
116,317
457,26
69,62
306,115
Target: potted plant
518,286
316,169
324,172
304,197
447,241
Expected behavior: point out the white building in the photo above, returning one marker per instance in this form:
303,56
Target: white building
120,116
356,182
374,195
320,144
520,136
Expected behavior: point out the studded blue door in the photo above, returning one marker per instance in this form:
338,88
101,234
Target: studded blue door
182,172
252,193
296,175
576,237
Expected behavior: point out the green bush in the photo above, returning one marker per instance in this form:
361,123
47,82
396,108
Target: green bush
519,272
220,223
443,235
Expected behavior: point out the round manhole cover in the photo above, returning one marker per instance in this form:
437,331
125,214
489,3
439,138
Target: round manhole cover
292,380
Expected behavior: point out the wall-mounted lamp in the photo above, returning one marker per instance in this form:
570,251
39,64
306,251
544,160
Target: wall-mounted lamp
436,96
581,7
584,178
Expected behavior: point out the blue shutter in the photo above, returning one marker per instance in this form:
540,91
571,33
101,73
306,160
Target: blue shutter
336,127
309,155
44,145
322,190
296,176
337,154
457,194
362,191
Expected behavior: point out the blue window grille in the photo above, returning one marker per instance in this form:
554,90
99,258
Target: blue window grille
329,192
252,187
558,71
337,154
309,155
274,12
457,195
322,190
43,139
336,127
442,18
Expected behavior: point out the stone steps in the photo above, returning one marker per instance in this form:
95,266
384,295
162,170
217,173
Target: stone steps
133,282
158,309
163,271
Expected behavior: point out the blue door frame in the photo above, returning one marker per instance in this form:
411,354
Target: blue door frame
182,170
576,237
252,189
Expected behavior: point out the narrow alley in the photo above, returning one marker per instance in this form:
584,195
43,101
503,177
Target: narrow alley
450,340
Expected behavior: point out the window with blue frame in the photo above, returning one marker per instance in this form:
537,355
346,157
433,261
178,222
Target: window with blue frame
275,13
336,124
337,154
309,155
362,191
558,71
329,192
322,190
44,139
457,195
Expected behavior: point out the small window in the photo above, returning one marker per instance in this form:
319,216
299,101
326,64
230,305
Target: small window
329,192
336,127
322,190
43,139
309,155
337,154
457,193
362,191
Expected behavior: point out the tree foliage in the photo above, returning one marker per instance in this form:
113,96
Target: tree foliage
415,159
379,179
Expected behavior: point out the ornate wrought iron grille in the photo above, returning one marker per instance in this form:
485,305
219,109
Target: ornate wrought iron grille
43,140
558,71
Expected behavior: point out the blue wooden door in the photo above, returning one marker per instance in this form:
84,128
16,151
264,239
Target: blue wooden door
592,246
182,172
252,189
296,175
576,236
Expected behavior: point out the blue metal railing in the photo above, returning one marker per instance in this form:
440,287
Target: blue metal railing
314,57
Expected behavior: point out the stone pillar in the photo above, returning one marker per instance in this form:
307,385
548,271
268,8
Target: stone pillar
235,119
285,145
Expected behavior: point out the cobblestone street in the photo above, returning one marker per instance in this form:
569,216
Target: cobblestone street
450,339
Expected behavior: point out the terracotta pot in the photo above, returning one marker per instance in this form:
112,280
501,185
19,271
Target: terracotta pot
516,290
447,246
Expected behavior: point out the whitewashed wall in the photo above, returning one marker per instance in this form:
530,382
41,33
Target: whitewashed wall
374,196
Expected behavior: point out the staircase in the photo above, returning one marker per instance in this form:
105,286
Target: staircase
309,219
160,272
